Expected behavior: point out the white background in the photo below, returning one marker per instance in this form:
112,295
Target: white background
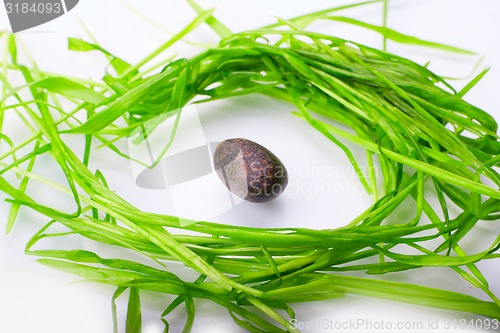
34,298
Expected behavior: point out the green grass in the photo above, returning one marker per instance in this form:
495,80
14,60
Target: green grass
396,109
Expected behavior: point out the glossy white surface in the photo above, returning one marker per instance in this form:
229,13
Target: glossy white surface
34,298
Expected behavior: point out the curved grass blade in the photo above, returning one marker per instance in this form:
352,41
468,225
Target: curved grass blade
397,36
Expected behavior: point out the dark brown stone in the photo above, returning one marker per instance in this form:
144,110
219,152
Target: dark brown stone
250,170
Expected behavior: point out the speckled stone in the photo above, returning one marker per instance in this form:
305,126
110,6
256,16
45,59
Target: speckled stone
250,170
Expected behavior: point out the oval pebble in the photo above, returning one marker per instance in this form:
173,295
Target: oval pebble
250,170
